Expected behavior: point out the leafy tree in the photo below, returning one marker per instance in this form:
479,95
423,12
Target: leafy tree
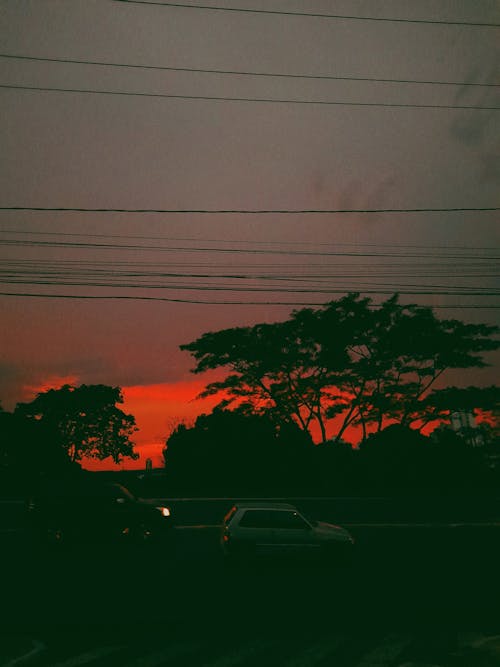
20,445
235,452
400,458
401,353
86,419
289,368
28,450
347,360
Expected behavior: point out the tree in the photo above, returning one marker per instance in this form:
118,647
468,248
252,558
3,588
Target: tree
86,420
399,356
349,361
290,368
29,450
401,459
235,452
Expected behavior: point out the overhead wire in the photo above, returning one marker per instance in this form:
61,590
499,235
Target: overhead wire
470,267
281,279
253,251
216,303
463,291
327,77
113,279
248,288
246,211
254,241
250,10
51,272
264,100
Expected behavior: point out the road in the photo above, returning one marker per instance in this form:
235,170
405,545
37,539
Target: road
412,585
342,649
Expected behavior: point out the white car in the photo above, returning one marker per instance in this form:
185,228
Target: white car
252,528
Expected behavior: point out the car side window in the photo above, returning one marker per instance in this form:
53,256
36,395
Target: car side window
273,519
257,519
293,521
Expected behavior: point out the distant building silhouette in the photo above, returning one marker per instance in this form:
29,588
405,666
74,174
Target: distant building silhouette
464,423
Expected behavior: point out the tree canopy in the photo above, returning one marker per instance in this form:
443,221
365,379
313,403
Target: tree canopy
85,420
347,363
236,452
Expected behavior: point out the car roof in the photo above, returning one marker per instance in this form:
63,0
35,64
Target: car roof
261,504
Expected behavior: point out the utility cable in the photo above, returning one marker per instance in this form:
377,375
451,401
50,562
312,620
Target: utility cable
256,242
251,211
308,14
260,100
198,70
216,303
248,251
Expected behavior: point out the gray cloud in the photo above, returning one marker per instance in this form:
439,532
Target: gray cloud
490,167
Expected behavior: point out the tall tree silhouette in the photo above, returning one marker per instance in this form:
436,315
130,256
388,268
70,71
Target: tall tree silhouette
289,368
398,357
86,419
364,366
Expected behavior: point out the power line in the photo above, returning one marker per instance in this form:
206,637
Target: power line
474,261
259,100
251,211
251,251
326,77
279,272
288,271
310,15
215,303
114,278
385,290
257,242
116,273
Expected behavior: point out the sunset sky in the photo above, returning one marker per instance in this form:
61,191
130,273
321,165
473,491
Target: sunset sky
357,141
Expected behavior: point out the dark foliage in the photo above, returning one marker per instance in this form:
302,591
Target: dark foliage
402,460
29,450
363,366
86,419
232,452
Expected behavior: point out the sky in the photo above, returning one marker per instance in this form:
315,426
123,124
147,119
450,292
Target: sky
373,114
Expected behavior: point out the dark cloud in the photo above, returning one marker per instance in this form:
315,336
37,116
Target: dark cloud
19,382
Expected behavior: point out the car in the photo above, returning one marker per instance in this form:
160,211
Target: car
253,528
83,511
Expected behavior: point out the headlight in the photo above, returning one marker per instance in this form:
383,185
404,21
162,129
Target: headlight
164,511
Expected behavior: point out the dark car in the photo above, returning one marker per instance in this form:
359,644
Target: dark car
87,512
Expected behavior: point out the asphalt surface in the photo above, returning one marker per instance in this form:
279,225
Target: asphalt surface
400,575
425,587
342,649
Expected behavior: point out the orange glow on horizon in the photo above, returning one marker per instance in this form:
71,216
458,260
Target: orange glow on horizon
157,408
